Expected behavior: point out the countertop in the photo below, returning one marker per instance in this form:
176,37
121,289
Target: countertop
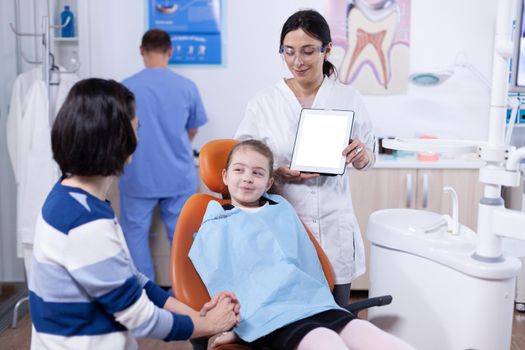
464,162
410,162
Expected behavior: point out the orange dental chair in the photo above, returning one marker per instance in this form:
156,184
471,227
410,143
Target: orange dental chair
186,283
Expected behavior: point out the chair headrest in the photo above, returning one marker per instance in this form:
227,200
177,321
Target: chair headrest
212,159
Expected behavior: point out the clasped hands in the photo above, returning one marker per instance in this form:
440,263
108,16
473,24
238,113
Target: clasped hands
222,312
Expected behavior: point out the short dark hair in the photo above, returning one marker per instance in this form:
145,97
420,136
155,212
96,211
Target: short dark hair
156,40
313,24
92,134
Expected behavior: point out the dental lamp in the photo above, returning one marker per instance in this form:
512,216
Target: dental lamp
430,78
502,160
501,168
495,288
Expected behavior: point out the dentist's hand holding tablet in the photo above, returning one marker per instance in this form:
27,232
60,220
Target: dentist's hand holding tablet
285,174
357,154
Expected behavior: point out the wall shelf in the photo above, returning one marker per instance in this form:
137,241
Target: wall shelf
73,39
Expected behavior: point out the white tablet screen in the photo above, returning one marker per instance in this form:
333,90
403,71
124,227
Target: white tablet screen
321,137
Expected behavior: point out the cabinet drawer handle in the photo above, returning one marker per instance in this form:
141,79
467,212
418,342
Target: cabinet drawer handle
408,191
425,191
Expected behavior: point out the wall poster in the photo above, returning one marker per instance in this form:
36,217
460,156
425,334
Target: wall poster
194,27
371,44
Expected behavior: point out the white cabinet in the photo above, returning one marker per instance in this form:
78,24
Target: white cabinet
381,188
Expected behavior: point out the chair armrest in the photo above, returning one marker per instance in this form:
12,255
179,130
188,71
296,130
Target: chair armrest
367,303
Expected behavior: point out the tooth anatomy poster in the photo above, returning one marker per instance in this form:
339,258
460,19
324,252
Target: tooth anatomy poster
194,27
371,44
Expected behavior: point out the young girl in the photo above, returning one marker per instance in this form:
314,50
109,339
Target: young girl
259,248
84,290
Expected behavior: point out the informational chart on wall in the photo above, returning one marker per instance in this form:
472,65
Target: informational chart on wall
371,44
194,27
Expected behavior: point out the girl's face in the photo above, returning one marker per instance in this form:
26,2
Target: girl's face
247,177
303,56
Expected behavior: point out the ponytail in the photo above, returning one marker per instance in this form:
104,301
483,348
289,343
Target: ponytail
329,69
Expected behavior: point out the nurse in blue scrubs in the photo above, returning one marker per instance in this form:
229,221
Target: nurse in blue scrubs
163,170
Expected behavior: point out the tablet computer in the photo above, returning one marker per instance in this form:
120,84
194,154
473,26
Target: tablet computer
321,137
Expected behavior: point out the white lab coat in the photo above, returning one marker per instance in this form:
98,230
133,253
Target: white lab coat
58,93
29,147
17,108
324,203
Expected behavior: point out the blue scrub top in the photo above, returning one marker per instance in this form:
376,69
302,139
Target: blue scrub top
167,105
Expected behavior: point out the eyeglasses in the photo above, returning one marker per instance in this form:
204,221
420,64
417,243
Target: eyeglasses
305,53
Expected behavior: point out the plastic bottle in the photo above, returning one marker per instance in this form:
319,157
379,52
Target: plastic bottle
68,31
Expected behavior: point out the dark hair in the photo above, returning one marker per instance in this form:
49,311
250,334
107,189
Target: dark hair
92,133
156,40
313,24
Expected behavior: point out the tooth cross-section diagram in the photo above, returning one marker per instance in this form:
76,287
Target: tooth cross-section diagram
369,42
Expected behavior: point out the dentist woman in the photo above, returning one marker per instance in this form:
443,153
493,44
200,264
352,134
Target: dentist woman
323,203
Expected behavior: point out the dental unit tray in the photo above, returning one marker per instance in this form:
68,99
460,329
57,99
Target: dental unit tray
451,147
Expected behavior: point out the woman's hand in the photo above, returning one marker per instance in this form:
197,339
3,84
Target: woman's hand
284,174
224,338
217,298
220,314
356,154
222,317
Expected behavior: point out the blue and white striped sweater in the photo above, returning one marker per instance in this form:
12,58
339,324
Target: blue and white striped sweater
85,291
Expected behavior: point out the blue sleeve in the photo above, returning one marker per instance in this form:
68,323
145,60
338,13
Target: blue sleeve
109,279
182,328
197,116
156,294
181,325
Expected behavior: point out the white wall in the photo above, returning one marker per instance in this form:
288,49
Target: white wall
11,267
29,21
458,108
439,31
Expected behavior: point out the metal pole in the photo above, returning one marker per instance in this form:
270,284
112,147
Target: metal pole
46,50
18,49
35,26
